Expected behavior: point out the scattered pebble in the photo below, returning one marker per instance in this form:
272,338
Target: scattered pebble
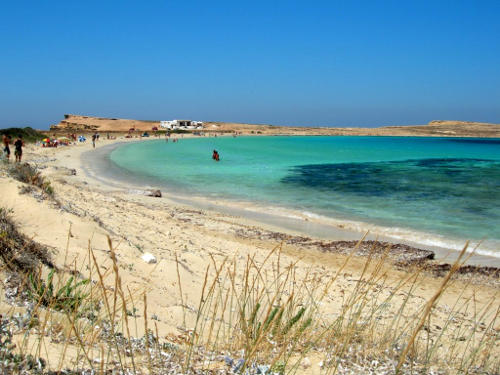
148,258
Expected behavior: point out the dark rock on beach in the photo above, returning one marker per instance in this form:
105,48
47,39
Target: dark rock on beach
154,193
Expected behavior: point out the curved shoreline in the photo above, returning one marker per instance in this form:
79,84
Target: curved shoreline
97,166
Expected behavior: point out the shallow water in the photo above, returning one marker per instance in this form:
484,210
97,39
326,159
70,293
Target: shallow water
439,191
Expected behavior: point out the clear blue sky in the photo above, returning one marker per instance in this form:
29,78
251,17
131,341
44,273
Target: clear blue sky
331,63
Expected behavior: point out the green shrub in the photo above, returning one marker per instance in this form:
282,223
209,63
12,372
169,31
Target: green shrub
29,134
68,298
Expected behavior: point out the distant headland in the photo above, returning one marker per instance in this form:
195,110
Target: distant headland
436,128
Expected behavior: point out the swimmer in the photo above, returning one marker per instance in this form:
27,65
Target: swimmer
215,155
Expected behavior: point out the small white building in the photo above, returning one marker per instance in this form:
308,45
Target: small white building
181,124
166,124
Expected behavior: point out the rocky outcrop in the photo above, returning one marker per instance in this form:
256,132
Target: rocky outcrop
76,123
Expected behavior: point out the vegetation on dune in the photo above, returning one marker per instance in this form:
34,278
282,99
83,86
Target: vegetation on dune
29,134
69,296
19,256
254,317
29,174
19,253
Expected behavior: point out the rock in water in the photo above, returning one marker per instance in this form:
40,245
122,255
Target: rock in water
148,258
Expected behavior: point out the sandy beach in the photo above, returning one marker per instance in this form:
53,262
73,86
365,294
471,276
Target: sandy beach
89,206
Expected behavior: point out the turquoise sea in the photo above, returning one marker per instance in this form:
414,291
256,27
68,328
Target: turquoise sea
438,191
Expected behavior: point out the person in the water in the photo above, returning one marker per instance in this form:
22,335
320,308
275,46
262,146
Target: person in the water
215,155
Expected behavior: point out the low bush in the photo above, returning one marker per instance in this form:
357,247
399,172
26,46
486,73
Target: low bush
19,253
30,174
29,134
26,189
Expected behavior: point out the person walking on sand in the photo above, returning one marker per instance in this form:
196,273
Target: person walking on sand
6,142
18,144
94,137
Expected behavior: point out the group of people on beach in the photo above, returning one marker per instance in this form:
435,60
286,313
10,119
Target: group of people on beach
18,144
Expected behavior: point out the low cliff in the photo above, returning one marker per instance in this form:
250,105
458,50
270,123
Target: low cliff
78,123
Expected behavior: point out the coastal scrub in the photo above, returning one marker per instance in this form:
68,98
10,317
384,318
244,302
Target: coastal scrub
30,175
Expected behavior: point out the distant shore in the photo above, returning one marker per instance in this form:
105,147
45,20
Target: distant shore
436,128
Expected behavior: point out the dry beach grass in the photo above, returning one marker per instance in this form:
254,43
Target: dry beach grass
250,317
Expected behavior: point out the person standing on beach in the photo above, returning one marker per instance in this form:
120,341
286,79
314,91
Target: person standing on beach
6,142
18,144
94,137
